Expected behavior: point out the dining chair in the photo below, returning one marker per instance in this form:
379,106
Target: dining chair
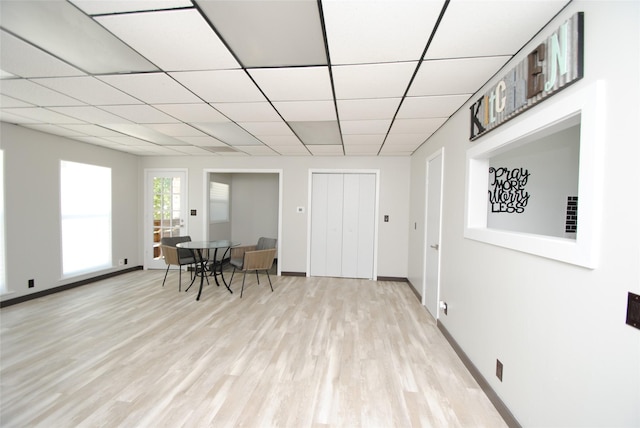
176,256
259,257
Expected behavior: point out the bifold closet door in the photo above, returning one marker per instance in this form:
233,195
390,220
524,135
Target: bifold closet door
342,225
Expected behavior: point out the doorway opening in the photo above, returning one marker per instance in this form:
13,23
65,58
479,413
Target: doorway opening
242,205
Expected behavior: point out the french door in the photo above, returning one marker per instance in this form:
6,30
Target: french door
165,211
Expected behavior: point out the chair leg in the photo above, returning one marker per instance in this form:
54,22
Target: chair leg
232,273
269,278
257,277
179,278
243,277
165,275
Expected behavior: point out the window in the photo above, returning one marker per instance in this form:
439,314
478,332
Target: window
219,200
572,127
3,286
85,207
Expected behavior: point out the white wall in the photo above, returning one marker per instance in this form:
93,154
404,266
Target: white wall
394,200
552,165
32,206
569,358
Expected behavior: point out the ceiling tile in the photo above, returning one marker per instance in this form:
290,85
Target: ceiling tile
22,59
101,7
372,80
173,40
365,127
382,108
99,142
317,132
362,150
229,133
434,106
40,114
416,126
205,141
378,31
306,110
141,132
54,129
287,150
267,128
141,114
191,113
454,76
151,88
294,84
176,129
220,85
92,130
359,140
128,140
30,92
8,102
248,112
64,31
192,150
269,33
406,140
90,114
257,150
15,119
326,150
392,151
221,150
280,140
87,89
366,140
508,25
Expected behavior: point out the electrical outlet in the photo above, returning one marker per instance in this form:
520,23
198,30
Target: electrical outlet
32,283
444,306
126,261
120,262
499,369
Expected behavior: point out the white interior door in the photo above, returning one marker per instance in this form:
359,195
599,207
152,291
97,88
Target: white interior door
343,213
431,288
165,211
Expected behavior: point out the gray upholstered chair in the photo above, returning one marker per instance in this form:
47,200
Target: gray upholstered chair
176,256
254,257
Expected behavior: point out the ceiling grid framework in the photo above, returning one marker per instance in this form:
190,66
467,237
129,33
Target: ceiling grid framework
254,78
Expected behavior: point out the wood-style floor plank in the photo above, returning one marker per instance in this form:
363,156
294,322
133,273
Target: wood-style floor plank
317,352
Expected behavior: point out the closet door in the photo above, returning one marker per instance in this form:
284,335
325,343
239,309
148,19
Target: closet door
326,224
342,225
358,225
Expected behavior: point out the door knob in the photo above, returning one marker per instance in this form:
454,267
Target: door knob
435,247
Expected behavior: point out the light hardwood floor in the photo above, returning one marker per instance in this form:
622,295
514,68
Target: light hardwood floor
127,352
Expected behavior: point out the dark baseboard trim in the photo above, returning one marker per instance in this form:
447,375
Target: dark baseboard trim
415,291
65,287
504,411
392,278
293,273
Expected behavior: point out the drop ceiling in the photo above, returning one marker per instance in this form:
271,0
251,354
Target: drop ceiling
254,78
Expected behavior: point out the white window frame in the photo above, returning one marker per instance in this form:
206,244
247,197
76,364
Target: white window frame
589,104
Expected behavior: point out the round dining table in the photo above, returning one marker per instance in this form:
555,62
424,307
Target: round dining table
207,265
